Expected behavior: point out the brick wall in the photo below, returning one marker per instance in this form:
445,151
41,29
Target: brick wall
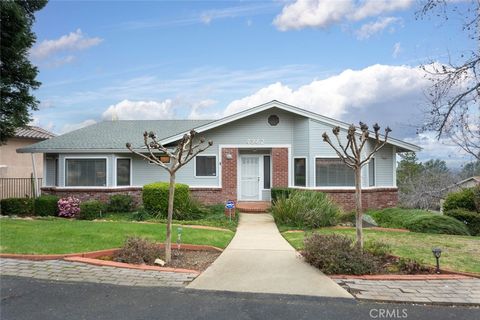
229,182
379,198
101,194
279,167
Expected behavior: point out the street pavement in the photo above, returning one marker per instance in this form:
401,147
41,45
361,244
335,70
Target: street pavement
30,298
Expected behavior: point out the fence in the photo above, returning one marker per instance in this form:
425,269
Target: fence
18,187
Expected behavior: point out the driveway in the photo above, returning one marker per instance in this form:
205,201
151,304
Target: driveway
260,260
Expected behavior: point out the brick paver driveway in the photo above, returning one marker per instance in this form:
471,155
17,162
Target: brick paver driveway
74,271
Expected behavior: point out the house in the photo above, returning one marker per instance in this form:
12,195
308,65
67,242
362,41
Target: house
464,184
271,145
14,165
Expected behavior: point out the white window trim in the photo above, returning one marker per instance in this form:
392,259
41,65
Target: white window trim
315,187
85,187
306,171
115,171
195,166
374,172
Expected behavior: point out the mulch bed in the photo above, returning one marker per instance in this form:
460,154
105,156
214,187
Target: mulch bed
198,260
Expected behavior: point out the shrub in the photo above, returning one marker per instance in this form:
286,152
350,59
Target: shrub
309,209
138,251
68,207
191,210
277,193
470,218
337,254
91,209
476,197
418,221
377,248
434,223
464,199
16,206
46,205
410,266
141,215
120,203
155,197
346,217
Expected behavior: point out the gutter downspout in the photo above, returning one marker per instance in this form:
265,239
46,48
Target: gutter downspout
35,180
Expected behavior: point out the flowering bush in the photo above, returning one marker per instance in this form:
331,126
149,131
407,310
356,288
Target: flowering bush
68,207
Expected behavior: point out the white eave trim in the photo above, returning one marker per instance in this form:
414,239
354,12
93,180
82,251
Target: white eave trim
289,108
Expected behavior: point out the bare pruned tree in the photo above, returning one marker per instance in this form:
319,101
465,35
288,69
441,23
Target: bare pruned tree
454,96
185,150
352,154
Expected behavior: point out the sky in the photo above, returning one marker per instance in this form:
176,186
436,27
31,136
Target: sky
353,60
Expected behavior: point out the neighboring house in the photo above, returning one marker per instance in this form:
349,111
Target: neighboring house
271,145
18,165
465,184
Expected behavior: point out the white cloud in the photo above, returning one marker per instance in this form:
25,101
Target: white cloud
75,126
139,110
443,149
397,49
389,95
74,41
369,29
198,110
323,13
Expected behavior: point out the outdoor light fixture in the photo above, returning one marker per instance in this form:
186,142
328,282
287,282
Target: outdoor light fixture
179,239
437,252
229,156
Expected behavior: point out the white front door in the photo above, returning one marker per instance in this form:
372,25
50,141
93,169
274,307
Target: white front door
249,177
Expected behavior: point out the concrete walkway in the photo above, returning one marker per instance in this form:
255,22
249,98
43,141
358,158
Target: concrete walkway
260,260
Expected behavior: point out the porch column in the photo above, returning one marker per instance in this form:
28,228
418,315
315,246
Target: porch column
280,167
229,174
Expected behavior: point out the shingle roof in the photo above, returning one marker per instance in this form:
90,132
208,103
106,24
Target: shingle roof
32,132
113,135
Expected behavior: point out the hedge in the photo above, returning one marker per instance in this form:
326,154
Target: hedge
418,221
470,218
120,203
155,197
464,199
16,206
46,205
91,209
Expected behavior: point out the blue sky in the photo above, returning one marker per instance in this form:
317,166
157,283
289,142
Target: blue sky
348,59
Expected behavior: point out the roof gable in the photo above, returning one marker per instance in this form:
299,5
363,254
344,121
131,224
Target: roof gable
404,146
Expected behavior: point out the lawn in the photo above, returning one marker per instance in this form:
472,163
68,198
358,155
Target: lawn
57,235
460,253
216,218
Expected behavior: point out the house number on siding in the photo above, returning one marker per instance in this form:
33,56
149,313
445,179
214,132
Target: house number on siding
255,141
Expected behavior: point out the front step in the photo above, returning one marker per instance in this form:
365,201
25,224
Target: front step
254,206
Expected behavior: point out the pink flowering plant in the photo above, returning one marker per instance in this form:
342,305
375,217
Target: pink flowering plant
68,207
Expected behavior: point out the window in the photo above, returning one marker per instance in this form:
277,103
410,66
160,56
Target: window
86,172
266,172
333,173
273,120
123,172
205,166
300,172
371,173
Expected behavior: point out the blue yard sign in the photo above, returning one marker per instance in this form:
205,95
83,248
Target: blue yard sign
230,204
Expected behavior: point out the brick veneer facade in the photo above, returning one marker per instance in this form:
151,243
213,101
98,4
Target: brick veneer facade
101,194
378,198
279,167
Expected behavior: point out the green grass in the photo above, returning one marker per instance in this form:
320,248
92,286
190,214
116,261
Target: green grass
460,253
216,218
57,235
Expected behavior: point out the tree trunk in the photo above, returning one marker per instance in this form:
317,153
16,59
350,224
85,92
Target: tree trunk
358,207
168,241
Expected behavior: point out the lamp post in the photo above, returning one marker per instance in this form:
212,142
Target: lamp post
437,252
